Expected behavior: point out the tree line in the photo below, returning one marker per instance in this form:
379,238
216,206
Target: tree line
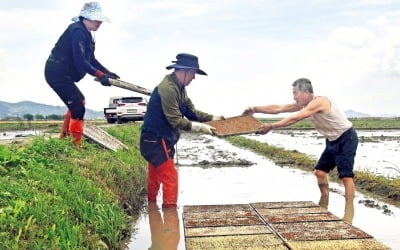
37,117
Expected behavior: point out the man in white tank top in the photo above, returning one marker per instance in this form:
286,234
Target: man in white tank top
331,122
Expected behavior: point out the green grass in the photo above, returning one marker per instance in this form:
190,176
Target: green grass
384,188
54,195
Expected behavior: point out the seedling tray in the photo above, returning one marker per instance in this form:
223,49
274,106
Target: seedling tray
237,125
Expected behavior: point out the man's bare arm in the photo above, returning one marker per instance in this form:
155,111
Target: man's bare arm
315,106
272,109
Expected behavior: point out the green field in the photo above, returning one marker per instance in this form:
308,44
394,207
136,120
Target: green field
364,123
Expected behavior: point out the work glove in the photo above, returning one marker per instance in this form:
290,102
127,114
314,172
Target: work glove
218,117
105,80
113,75
202,128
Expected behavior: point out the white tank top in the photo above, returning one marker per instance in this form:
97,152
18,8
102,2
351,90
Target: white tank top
331,124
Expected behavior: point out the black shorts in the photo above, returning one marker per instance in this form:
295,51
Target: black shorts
155,149
340,153
61,81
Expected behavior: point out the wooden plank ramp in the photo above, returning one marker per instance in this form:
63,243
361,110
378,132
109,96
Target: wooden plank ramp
271,225
129,86
101,137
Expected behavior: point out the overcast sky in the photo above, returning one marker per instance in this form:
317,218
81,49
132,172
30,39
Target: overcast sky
252,50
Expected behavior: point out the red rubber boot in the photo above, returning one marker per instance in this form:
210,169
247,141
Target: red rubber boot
76,129
65,127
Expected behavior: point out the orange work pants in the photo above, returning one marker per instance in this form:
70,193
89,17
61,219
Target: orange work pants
167,175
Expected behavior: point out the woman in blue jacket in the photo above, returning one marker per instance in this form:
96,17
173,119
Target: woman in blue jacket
70,60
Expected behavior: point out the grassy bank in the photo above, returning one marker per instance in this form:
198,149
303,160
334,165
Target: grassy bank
386,189
54,195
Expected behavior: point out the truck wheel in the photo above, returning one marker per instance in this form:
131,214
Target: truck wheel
119,120
110,121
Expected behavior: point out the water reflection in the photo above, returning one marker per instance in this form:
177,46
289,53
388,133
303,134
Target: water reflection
164,227
348,208
324,201
348,212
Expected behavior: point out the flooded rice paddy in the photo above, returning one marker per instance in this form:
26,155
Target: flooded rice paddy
18,134
211,171
378,150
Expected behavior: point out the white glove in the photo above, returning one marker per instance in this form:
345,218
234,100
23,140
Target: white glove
218,117
202,128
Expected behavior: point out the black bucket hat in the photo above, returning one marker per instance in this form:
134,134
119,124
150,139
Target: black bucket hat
187,61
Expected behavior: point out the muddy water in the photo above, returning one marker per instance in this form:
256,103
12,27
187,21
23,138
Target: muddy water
17,134
211,171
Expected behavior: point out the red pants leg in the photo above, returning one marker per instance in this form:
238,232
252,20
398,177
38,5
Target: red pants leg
167,175
169,180
153,182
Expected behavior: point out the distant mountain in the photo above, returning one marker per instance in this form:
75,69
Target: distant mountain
354,114
27,107
388,115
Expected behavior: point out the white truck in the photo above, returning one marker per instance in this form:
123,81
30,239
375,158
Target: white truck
123,109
